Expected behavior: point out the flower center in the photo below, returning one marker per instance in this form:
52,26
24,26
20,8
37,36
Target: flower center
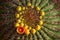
31,17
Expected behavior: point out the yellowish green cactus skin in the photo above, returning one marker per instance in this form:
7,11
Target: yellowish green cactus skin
29,20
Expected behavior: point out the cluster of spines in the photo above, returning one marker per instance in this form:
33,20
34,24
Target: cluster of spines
45,26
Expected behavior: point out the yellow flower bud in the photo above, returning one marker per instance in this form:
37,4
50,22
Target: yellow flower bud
38,27
33,31
37,8
29,4
18,21
42,13
21,17
29,28
20,13
40,17
26,26
16,24
17,15
24,8
19,8
22,24
27,32
41,22
32,6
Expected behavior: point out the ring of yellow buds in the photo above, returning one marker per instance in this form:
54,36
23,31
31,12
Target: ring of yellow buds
21,27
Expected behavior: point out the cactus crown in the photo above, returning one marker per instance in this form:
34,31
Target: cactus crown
30,20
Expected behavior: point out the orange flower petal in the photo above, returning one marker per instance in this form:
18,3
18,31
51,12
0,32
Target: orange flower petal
20,30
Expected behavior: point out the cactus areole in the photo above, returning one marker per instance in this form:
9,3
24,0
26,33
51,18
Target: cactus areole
30,16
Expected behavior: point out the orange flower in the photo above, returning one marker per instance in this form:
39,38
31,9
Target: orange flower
20,30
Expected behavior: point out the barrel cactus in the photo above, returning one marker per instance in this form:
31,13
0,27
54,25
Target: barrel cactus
29,20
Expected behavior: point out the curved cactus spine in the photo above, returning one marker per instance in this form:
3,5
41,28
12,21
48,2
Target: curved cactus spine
35,37
11,5
2,11
26,37
46,37
28,0
54,19
14,36
33,2
54,25
7,35
17,37
58,36
23,2
5,32
51,27
4,5
23,37
39,37
38,2
49,7
14,2
6,29
44,3
19,3
52,13
51,18
7,17
53,22
30,37
50,33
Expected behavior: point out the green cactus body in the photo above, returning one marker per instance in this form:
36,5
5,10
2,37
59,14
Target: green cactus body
49,23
